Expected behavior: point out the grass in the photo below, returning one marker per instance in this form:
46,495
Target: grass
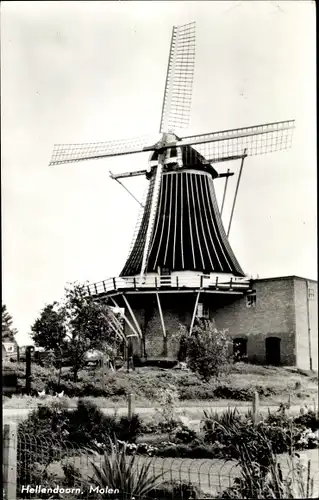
274,384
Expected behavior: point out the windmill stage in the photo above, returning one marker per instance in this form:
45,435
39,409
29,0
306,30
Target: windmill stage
181,266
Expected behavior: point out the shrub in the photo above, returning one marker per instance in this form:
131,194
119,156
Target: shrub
207,351
167,400
309,419
78,425
190,451
183,434
280,432
196,392
256,481
228,392
172,490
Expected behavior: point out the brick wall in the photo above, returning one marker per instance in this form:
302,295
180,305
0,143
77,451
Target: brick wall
301,312
273,316
177,309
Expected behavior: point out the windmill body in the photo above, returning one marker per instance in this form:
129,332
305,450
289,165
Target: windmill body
180,265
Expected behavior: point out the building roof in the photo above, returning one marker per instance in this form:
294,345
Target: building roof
290,277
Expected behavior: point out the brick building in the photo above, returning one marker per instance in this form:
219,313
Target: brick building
277,324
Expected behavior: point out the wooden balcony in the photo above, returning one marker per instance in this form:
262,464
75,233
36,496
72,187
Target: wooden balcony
173,283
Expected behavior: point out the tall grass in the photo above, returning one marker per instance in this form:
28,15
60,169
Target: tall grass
120,472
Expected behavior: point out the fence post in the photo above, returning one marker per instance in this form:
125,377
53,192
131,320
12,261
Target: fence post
256,407
9,449
130,409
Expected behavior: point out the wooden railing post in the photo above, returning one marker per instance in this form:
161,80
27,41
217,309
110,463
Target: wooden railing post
9,447
256,407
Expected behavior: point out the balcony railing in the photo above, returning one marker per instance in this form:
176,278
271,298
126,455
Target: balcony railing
166,282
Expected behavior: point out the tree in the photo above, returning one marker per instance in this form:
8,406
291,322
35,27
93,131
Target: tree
49,331
74,327
207,350
8,331
87,327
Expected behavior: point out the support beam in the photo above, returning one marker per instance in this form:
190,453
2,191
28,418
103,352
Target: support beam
116,331
225,174
129,192
115,325
133,316
161,314
224,195
127,174
125,319
194,314
236,192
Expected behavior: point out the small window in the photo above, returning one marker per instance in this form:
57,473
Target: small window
251,301
311,294
10,348
202,311
165,271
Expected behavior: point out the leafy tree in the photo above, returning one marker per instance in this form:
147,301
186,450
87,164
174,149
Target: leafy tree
49,331
87,327
8,331
207,350
72,328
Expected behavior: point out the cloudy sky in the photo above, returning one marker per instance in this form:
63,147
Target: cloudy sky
94,71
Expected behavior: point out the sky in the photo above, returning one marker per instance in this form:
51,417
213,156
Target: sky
95,71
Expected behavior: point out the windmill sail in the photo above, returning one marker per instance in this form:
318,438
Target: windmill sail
179,79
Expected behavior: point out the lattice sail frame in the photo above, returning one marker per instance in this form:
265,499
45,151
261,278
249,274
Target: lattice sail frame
179,80
256,140
69,153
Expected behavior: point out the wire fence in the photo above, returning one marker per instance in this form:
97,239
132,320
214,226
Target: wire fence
38,467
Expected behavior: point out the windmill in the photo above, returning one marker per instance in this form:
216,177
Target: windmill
180,245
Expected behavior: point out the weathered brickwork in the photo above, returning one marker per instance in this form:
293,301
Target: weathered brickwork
177,310
272,316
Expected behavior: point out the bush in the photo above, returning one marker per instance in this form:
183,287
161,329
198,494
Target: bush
281,432
166,363
80,425
172,490
196,392
207,351
228,392
258,481
309,419
188,451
